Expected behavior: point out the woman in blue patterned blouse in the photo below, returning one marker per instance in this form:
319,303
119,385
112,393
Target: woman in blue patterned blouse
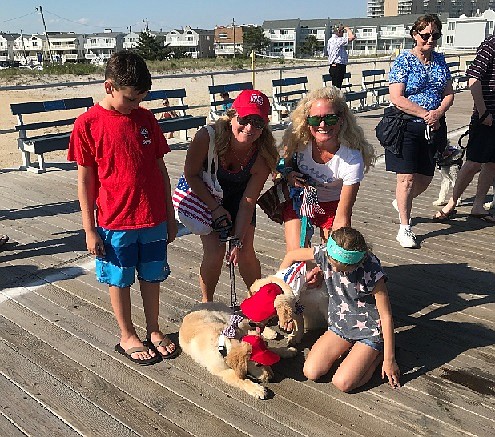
420,86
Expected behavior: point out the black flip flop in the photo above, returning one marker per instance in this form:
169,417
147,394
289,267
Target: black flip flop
154,346
127,353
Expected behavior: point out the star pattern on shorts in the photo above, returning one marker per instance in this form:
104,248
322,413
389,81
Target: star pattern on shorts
360,325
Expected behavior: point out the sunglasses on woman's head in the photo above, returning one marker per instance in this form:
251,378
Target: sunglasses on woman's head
254,120
328,119
426,36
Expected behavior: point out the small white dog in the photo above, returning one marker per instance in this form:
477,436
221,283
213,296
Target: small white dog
222,342
449,164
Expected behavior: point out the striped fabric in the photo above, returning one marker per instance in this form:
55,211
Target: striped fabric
190,210
310,205
483,69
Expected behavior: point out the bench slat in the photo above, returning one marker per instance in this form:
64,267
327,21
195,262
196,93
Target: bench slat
47,143
50,105
289,93
179,93
288,81
229,87
181,123
45,124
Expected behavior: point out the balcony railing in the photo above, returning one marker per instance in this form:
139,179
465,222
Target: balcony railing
280,37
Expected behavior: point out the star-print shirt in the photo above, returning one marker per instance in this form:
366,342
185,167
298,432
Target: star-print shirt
424,84
351,305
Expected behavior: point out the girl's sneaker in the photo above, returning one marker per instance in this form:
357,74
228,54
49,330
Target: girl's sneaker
406,238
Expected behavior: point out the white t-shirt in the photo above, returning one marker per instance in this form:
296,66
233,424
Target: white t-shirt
345,168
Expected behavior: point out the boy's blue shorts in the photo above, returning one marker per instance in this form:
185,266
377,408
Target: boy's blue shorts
142,250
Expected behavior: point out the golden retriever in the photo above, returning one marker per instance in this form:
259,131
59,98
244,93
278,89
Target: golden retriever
199,338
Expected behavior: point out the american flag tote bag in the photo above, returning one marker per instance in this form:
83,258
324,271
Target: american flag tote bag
190,210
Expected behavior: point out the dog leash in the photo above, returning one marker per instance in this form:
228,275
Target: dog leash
233,242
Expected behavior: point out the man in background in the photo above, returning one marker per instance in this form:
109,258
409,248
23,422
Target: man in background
337,53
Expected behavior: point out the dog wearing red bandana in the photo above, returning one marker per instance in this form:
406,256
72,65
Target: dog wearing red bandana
301,303
230,345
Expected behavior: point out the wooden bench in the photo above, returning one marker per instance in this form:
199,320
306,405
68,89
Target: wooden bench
376,85
217,103
286,94
459,78
183,122
349,94
47,136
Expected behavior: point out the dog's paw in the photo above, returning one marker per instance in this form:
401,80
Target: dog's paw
257,390
489,205
269,333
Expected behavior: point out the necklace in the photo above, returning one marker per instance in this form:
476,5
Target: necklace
421,57
242,162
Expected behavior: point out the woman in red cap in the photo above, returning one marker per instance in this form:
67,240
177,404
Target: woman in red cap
247,154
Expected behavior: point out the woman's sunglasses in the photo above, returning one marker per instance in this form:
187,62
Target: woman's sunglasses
256,122
426,36
328,119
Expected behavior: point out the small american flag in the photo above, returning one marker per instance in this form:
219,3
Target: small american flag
310,205
189,204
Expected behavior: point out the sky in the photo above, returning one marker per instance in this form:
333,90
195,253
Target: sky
90,16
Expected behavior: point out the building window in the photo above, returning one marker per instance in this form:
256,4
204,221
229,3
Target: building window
450,39
452,25
222,35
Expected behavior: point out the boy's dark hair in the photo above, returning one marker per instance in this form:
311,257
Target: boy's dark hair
125,68
350,239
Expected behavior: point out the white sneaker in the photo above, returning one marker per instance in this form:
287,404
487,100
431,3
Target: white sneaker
406,238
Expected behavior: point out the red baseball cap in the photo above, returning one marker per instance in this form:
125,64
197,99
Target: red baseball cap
260,353
252,102
260,306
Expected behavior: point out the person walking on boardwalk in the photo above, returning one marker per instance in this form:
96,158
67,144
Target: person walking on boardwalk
247,155
480,153
360,324
119,149
421,87
337,53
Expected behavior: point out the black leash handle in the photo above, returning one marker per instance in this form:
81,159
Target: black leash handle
233,242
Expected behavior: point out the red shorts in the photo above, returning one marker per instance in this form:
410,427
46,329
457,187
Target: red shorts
323,220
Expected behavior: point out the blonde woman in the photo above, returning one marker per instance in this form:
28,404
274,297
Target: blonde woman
247,154
331,153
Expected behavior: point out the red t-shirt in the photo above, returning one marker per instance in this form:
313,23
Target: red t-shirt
124,150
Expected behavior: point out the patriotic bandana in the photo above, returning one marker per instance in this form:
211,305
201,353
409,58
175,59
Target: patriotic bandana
310,205
229,331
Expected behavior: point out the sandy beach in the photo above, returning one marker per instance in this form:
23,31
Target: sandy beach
196,88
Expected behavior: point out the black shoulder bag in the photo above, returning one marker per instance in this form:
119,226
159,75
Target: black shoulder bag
390,129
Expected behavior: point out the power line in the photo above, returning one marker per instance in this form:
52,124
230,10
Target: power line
17,18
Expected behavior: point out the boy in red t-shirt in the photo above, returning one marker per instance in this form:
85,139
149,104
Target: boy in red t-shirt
119,149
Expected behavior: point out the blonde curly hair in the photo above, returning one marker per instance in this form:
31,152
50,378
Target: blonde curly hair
266,143
298,135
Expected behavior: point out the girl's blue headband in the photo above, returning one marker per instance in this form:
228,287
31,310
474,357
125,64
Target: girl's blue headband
342,255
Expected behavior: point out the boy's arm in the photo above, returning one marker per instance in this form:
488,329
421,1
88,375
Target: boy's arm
86,192
171,224
302,254
390,367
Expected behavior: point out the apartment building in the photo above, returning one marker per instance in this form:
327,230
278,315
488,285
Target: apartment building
228,40
7,46
467,33
99,47
287,36
455,8
199,43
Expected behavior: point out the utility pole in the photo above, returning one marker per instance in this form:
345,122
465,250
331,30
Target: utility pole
23,48
233,30
40,9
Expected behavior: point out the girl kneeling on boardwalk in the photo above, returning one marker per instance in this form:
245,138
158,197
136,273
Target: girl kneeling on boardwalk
359,315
